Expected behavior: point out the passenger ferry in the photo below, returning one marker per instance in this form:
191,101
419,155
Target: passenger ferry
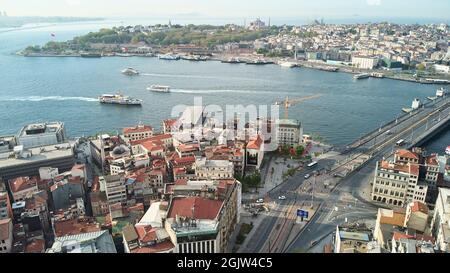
361,76
287,64
441,92
130,71
159,88
169,57
119,99
259,62
232,61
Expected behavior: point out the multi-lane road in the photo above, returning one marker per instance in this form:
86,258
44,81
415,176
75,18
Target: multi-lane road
344,202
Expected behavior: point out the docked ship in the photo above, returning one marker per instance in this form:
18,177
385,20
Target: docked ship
123,55
377,75
130,71
159,88
440,93
361,76
328,68
259,62
169,57
287,64
91,55
232,61
416,104
195,58
119,99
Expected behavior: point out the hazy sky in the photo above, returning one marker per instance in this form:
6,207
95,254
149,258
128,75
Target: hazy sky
231,8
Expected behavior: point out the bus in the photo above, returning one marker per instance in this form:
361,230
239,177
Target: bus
312,164
401,142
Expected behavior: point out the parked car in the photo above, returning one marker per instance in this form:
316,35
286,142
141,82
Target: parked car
260,200
307,176
282,197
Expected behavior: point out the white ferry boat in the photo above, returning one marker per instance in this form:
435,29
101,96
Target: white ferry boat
119,99
130,71
169,57
287,64
441,92
361,76
159,88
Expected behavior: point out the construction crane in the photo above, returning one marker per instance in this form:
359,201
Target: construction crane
288,103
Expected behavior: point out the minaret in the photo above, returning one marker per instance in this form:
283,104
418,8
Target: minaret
269,22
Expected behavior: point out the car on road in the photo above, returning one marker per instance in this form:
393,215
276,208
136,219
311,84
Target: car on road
282,197
307,176
259,201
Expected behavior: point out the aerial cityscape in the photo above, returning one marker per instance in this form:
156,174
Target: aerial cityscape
245,133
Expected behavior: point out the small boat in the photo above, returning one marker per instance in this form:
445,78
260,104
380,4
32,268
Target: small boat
447,151
169,57
130,71
119,99
361,76
159,88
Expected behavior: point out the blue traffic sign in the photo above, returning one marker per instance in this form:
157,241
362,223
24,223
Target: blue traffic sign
302,213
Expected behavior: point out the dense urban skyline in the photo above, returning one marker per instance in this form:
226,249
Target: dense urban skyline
350,9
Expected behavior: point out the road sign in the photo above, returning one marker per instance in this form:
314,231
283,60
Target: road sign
302,213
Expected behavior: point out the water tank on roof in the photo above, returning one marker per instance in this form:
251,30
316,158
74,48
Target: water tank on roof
120,150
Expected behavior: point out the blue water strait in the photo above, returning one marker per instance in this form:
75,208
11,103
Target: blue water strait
52,88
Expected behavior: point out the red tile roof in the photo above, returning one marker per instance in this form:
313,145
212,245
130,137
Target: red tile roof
183,161
406,154
22,183
160,247
35,246
419,206
169,122
146,233
399,235
432,160
255,144
184,148
397,219
409,168
195,207
75,227
137,129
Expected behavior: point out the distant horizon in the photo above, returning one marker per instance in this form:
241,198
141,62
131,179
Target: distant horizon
278,10
184,19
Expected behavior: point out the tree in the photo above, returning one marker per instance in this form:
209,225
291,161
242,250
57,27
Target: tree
299,150
420,67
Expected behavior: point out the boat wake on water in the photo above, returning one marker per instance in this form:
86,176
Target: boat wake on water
212,91
47,98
